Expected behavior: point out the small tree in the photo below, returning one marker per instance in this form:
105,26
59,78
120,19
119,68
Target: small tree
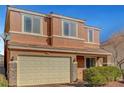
117,43
5,37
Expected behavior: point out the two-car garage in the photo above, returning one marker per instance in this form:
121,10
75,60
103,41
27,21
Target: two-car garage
37,70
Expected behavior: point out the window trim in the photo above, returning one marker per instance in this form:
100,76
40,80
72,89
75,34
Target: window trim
32,16
68,21
92,36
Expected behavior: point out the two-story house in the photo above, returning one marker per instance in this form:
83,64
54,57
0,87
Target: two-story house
49,48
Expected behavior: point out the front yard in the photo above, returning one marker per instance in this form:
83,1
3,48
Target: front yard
111,84
3,81
107,76
115,84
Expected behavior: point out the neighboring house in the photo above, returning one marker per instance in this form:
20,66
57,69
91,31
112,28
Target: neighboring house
43,49
2,71
115,45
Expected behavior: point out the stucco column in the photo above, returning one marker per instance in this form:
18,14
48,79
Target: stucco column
109,60
12,73
99,61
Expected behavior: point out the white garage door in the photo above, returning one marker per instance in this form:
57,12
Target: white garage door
32,70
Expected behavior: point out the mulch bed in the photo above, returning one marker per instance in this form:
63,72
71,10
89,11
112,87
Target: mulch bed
115,84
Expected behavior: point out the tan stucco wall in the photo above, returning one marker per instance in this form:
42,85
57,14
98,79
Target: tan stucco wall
91,45
96,36
56,26
67,43
15,21
15,53
29,39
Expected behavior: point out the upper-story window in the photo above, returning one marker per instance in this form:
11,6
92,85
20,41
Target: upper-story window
69,28
27,24
31,24
90,35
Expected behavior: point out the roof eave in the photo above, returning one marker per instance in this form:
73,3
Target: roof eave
92,27
56,50
65,17
26,11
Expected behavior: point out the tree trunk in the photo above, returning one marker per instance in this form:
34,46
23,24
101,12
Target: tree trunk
121,72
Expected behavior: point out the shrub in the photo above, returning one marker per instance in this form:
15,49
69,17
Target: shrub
94,77
3,81
111,73
101,75
115,73
122,71
98,80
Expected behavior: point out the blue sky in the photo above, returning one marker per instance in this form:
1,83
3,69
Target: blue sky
109,18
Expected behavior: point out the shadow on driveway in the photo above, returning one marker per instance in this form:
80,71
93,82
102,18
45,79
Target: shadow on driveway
62,85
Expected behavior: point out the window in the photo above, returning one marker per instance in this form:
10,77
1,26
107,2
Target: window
36,25
31,24
90,36
69,28
66,29
27,24
90,62
72,29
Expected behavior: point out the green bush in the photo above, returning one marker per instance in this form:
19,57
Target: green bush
101,75
115,73
111,73
122,71
94,77
98,80
3,81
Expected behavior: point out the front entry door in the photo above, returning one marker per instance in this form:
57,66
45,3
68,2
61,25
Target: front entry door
90,62
80,65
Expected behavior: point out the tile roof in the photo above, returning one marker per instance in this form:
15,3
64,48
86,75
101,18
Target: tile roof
61,49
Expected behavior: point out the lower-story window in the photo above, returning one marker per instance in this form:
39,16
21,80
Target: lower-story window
90,62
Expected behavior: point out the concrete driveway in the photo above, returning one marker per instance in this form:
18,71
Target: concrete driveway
62,85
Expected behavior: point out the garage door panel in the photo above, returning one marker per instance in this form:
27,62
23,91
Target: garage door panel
43,70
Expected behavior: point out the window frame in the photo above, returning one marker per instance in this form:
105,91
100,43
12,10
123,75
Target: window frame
32,32
89,35
69,36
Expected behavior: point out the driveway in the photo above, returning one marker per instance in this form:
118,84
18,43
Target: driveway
62,85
